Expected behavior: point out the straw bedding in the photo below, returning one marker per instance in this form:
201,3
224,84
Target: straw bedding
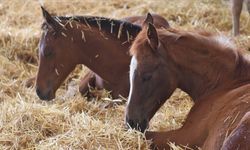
70,121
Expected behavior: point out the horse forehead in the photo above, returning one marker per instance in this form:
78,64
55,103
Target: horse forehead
47,38
44,42
147,58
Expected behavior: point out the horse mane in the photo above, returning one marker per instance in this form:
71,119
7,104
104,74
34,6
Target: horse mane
200,42
207,46
116,27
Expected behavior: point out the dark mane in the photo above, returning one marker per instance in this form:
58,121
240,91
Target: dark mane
115,27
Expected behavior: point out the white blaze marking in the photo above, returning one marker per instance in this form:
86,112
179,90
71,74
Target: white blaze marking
133,66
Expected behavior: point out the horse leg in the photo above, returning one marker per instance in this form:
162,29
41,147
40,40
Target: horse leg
183,136
160,140
240,136
236,11
92,80
86,82
121,88
248,6
100,84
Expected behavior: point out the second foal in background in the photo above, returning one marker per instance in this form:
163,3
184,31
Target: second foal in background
101,44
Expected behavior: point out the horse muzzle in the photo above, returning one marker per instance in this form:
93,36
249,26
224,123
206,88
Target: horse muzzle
137,124
45,95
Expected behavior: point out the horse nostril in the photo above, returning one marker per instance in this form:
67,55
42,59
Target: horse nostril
140,126
143,125
38,92
136,124
47,95
131,123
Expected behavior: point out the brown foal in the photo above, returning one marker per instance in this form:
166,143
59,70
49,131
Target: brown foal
207,67
101,44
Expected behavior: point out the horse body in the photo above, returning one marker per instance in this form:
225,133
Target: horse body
99,43
205,66
211,122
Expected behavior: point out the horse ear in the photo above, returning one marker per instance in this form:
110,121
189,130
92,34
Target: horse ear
152,36
50,20
149,19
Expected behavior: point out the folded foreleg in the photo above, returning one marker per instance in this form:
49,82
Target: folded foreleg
240,136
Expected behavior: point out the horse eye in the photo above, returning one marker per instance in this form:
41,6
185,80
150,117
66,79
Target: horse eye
47,54
146,77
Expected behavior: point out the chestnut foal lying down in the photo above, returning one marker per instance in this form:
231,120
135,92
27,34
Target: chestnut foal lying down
207,67
101,44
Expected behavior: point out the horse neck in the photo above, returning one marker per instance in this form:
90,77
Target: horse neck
103,44
203,68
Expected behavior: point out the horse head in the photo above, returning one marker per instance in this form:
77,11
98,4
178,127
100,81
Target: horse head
54,65
149,87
